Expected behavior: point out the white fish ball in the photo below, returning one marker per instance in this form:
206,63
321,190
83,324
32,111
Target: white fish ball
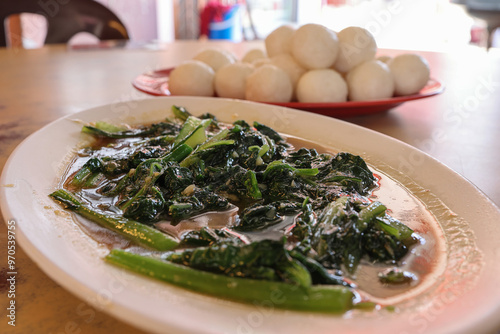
253,55
288,64
279,40
269,83
193,78
261,61
215,58
323,85
384,59
230,80
410,72
372,80
315,46
356,45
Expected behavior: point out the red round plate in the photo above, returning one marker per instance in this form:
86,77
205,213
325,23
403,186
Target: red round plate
156,83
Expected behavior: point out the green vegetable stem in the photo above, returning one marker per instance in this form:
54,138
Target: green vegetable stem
328,299
136,232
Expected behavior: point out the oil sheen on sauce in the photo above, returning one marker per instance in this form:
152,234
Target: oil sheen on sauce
424,262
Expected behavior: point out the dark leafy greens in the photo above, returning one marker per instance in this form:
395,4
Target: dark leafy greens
304,219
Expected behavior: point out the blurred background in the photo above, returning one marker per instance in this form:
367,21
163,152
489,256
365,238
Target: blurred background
431,25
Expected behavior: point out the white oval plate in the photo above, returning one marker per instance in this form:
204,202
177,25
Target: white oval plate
465,299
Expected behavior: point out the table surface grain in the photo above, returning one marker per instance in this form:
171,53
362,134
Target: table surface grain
460,128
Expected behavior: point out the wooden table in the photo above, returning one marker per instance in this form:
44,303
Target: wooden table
461,128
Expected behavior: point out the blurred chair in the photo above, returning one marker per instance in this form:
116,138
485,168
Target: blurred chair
66,18
488,11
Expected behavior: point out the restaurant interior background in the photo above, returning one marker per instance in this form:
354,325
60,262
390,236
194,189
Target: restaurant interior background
430,25
459,128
